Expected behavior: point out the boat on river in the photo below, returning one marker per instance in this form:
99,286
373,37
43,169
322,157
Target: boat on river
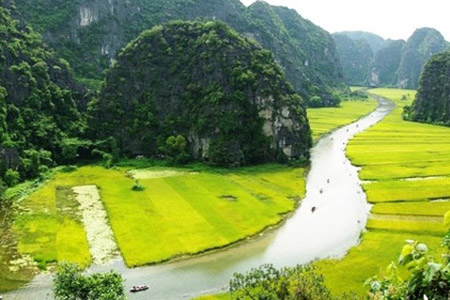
138,288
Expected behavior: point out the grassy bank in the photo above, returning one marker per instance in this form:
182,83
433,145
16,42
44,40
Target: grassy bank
406,166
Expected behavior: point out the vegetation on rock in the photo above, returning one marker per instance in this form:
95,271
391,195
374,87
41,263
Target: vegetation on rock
418,49
39,102
205,84
432,103
89,34
356,57
391,63
383,70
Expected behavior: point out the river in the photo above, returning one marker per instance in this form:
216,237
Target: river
327,224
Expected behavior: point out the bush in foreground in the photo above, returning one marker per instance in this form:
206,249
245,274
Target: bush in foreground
267,282
427,278
71,284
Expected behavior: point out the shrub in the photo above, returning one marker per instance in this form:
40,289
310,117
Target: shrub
11,177
137,187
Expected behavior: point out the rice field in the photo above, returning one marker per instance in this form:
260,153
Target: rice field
406,171
183,214
325,119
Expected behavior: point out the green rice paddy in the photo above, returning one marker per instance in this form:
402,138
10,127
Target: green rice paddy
173,216
406,166
325,119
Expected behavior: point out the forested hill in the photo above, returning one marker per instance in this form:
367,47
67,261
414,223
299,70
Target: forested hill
384,66
356,57
199,89
38,100
89,34
382,62
432,103
375,41
418,50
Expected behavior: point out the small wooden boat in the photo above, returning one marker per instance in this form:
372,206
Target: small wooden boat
138,288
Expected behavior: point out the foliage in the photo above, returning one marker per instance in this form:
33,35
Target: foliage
432,103
267,282
176,149
11,177
71,284
199,88
38,101
426,278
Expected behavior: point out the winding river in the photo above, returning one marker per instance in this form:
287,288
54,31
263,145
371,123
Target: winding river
327,224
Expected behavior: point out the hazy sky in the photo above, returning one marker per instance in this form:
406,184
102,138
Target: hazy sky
395,19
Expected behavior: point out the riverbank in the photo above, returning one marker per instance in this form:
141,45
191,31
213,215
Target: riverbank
404,166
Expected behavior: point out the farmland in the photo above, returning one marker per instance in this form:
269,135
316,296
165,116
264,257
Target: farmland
325,119
405,166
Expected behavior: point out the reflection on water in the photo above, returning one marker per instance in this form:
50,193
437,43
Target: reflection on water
328,222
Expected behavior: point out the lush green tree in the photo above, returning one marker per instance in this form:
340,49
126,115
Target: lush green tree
176,149
267,282
71,284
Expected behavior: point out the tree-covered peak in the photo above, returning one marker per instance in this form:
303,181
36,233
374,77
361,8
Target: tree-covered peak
204,85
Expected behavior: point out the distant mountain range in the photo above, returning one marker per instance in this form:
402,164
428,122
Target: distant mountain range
90,33
368,59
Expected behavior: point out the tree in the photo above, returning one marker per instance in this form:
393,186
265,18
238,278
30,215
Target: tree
267,282
71,284
176,148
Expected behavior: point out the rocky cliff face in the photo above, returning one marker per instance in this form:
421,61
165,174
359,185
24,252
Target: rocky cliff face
307,53
392,63
356,57
203,81
418,49
432,103
383,70
89,34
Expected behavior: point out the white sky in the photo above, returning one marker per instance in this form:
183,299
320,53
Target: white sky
395,19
